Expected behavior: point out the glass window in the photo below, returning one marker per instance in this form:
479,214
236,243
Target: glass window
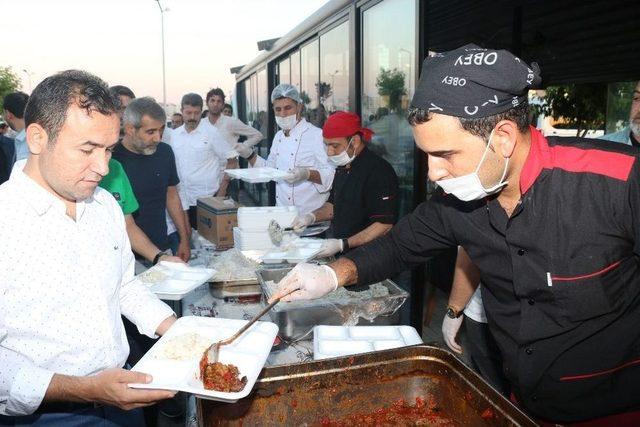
310,67
295,69
619,98
262,103
284,71
334,70
388,79
248,106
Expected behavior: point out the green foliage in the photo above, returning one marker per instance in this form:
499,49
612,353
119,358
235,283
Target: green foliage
578,106
305,98
620,96
391,83
9,82
324,90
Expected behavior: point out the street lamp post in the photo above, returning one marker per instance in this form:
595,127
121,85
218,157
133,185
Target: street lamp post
28,78
164,82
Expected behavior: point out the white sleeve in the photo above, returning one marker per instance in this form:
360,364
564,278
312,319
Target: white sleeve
321,163
137,302
254,136
270,160
22,383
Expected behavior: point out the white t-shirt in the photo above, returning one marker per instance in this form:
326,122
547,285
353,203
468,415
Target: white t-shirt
474,308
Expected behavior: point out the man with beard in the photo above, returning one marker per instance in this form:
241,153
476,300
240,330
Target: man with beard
630,135
151,168
200,156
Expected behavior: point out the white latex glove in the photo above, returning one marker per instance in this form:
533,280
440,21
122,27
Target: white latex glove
312,281
303,221
244,150
297,175
450,328
330,247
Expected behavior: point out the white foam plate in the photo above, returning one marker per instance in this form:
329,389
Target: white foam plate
336,341
256,175
179,280
300,250
248,352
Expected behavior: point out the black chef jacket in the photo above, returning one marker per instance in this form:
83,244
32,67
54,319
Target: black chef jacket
561,276
363,192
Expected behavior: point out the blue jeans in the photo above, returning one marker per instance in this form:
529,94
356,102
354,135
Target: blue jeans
105,416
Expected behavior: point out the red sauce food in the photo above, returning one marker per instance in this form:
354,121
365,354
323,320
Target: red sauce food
424,412
220,377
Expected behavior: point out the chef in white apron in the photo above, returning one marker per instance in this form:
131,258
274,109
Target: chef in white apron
297,148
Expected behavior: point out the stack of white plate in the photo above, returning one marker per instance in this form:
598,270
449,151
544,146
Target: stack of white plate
251,240
258,218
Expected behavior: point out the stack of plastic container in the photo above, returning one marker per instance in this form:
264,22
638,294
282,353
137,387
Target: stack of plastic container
252,232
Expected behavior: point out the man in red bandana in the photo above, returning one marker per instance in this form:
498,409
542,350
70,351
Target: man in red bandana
363,201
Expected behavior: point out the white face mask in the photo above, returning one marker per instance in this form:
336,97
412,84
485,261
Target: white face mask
288,122
343,158
468,187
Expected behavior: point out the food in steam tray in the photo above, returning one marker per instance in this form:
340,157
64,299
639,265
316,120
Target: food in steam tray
221,377
424,412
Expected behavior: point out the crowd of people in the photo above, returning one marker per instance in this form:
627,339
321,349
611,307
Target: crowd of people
94,178
99,169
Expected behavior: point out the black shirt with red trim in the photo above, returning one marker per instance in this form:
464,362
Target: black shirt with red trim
561,276
363,192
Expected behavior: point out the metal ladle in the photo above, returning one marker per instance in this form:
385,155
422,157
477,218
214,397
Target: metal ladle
276,232
214,349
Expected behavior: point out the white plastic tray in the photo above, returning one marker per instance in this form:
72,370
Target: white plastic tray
256,175
336,341
248,352
300,250
179,280
257,218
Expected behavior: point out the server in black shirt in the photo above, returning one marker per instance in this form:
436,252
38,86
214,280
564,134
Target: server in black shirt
362,205
552,224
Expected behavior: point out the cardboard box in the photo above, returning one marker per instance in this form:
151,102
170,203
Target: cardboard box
216,218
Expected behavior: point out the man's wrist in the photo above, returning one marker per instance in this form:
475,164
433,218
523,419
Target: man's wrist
159,255
454,312
345,245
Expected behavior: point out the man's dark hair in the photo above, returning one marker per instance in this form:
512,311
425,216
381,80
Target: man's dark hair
122,90
176,114
15,103
217,91
192,99
50,100
482,126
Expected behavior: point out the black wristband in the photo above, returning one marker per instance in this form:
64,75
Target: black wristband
345,245
157,257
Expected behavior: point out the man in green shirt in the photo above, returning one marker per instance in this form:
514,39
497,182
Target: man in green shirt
117,183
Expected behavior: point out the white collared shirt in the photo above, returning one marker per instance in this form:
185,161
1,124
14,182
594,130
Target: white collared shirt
232,129
200,159
22,150
303,147
63,287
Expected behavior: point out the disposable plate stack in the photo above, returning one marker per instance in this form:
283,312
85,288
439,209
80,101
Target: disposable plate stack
252,232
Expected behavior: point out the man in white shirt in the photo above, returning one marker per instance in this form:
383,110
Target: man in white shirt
65,277
201,156
230,128
297,148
